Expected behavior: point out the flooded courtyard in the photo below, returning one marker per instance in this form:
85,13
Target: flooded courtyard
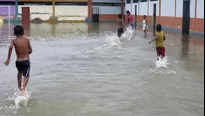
84,70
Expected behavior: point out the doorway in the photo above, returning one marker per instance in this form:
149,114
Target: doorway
95,18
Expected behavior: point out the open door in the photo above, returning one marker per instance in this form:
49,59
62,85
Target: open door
95,15
186,17
154,17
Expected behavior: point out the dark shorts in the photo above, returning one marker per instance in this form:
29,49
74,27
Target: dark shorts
161,51
120,31
24,67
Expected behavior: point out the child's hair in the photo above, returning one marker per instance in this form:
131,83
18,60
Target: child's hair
120,16
18,30
159,27
144,16
128,12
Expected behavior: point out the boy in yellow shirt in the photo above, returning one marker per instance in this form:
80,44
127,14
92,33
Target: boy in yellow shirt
159,42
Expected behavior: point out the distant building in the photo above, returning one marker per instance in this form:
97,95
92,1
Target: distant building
169,12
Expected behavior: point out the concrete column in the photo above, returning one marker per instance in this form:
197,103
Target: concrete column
122,8
54,10
90,9
16,8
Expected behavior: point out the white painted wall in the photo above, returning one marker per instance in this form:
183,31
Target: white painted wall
192,8
200,9
143,8
151,8
133,8
179,8
127,7
63,12
168,8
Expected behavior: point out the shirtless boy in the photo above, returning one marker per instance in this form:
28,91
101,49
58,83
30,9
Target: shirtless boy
121,25
23,49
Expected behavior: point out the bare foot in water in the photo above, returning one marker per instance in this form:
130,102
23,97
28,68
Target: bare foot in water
22,92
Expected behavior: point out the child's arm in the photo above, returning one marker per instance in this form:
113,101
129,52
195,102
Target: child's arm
123,24
154,39
9,53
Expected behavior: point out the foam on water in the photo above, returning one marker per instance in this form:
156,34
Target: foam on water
20,101
128,34
113,40
161,63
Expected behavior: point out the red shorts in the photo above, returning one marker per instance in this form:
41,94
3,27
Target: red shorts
161,51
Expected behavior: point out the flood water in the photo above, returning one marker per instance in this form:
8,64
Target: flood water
82,70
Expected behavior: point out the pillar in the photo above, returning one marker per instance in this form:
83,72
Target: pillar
16,8
90,11
122,8
54,10
26,19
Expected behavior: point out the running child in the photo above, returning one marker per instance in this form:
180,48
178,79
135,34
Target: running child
121,25
23,49
160,38
129,19
144,25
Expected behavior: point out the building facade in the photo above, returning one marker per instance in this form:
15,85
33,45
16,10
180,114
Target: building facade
169,13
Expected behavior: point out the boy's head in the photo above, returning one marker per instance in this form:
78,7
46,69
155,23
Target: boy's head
18,30
120,16
159,27
128,12
144,16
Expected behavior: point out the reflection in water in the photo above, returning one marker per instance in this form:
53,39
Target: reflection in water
185,47
53,30
27,29
95,28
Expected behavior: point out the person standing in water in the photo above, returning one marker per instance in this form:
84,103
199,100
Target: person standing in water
144,25
160,38
23,50
129,19
121,25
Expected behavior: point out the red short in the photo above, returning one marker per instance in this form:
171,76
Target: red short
161,51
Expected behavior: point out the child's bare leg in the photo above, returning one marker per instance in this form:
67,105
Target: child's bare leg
19,78
25,82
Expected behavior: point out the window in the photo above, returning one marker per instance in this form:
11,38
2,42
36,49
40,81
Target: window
7,3
143,0
135,1
128,1
106,4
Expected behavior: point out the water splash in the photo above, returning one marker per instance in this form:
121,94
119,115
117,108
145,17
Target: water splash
112,40
161,63
20,101
128,34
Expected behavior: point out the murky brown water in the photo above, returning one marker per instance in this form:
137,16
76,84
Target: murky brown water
78,71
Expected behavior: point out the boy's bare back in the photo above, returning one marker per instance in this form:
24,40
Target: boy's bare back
22,47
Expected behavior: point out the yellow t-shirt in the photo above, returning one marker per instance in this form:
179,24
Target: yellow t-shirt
160,39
